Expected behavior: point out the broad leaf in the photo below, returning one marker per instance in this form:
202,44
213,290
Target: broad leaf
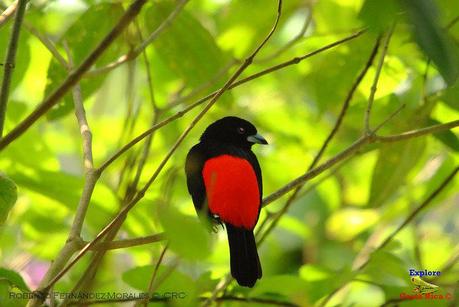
446,137
187,236
394,162
82,37
433,40
186,47
8,196
14,279
379,15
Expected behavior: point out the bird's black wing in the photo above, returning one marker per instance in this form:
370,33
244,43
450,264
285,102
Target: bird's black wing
195,182
256,167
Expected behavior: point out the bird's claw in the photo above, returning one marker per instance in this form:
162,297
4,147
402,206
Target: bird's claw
217,222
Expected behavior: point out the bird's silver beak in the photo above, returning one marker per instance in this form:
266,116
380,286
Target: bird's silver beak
257,138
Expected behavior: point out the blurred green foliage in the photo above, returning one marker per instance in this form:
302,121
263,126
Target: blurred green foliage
318,243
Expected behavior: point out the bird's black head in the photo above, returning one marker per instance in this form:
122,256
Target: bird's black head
233,130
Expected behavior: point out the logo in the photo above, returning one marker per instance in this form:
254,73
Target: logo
423,290
423,287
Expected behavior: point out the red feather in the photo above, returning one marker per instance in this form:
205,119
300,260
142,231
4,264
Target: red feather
232,190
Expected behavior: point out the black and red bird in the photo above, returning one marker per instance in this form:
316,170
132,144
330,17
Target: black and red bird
224,180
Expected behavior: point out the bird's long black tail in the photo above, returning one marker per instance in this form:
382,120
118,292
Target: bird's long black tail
245,264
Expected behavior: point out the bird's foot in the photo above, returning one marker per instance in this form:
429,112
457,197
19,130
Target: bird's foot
217,222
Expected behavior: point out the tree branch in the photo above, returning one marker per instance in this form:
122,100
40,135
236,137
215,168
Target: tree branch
75,76
91,176
295,39
407,220
122,214
418,132
179,114
226,298
330,136
47,43
155,272
10,60
374,86
8,13
108,245
367,139
137,51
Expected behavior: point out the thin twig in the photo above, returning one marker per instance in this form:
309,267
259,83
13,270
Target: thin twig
155,272
10,61
374,86
179,114
164,299
91,270
390,117
346,153
222,285
75,76
8,13
330,136
80,114
137,51
122,214
418,132
47,43
407,220
346,104
175,102
294,40
92,175
109,245
416,211
156,113
276,217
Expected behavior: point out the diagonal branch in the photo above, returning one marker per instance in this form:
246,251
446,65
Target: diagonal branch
137,51
307,22
347,152
8,13
10,61
91,176
179,114
122,214
75,76
406,221
126,242
330,136
374,86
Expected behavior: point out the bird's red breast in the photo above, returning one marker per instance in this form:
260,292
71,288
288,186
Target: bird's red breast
232,190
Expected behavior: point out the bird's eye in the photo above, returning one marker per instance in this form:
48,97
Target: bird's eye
241,130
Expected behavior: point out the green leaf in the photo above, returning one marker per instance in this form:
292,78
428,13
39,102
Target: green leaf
60,186
177,282
345,224
14,279
451,96
8,196
82,37
446,137
195,57
431,38
394,162
187,236
387,269
379,15
286,285
22,56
